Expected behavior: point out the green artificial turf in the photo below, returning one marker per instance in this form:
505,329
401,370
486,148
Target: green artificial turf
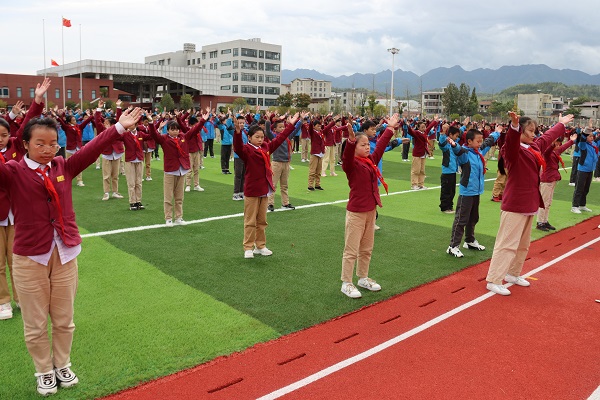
155,301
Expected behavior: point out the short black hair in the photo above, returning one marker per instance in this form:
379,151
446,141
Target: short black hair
453,130
253,129
172,125
34,123
366,125
4,124
471,133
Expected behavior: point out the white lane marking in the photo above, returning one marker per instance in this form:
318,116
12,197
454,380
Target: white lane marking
368,353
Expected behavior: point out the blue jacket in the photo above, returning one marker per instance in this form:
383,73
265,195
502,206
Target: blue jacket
449,163
244,140
588,157
226,129
472,176
88,133
210,130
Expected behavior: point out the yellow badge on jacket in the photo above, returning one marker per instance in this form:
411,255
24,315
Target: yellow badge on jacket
60,178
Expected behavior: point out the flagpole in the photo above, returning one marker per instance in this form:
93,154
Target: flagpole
62,32
44,39
80,73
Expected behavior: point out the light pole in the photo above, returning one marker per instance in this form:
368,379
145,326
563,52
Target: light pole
394,51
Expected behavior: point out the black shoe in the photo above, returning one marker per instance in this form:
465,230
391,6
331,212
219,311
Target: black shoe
133,207
270,207
550,226
289,207
318,188
542,227
311,188
140,206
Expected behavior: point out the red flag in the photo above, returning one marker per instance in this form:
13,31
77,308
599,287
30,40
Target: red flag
66,22
53,63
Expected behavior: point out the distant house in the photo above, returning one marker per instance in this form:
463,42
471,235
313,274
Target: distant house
484,106
589,109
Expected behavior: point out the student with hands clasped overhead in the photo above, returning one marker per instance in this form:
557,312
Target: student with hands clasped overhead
47,242
363,176
522,154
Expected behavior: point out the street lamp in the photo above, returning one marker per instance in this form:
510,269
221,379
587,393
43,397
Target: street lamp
394,51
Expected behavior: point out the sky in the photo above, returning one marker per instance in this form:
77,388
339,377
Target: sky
335,37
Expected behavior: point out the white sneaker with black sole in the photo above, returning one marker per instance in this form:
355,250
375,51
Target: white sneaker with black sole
455,251
66,377
473,246
46,383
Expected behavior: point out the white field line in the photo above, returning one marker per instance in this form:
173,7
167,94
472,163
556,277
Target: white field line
374,350
221,217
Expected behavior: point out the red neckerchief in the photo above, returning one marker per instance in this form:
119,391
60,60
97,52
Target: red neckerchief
289,144
267,160
482,160
2,159
175,139
538,157
53,194
137,141
369,162
77,131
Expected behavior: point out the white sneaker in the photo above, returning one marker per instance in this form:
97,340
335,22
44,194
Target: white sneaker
333,174
571,183
575,210
291,167
180,221
369,284
169,222
6,311
66,377
248,254
377,227
236,197
323,174
148,178
105,197
350,290
46,383
303,160
187,188
414,187
455,251
80,183
498,289
263,252
97,166
117,195
198,188
584,208
517,280
474,246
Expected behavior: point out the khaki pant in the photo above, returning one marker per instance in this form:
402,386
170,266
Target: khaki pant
195,165
7,237
499,184
547,191
80,176
255,222
110,175
47,290
281,173
314,171
134,175
417,171
511,247
359,238
305,143
147,162
173,193
328,160
338,151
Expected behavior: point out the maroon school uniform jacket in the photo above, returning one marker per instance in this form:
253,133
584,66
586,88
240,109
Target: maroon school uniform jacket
73,132
362,179
174,157
329,135
117,145
134,145
36,215
317,139
551,173
257,179
522,192
195,141
420,139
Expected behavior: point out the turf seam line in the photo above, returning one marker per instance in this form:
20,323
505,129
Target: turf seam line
428,303
390,319
458,290
289,360
221,217
226,385
391,342
346,338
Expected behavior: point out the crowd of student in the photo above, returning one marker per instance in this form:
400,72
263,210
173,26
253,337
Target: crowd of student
35,188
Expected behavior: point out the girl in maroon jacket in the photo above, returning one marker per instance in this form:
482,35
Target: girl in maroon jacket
47,243
73,132
420,151
258,182
363,177
522,154
549,179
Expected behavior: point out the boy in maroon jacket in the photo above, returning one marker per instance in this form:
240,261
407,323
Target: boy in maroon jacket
522,153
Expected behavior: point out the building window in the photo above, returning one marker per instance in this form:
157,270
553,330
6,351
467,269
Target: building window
248,64
226,51
272,67
270,102
57,93
225,63
213,54
223,76
248,77
226,87
272,90
168,61
260,90
31,92
261,66
204,56
161,62
272,55
248,89
248,52
19,92
250,100
261,54
235,64
272,79
236,52
235,76
4,92
234,89
93,95
261,78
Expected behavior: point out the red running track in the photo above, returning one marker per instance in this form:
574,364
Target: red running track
541,342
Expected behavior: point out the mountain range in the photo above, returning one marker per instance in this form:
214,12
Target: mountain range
484,80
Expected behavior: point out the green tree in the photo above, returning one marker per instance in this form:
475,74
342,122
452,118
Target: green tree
70,104
167,102
285,100
573,110
372,102
473,103
302,101
580,100
3,104
454,117
380,110
337,106
108,103
323,109
464,99
477,118
450,99
239,103
186,102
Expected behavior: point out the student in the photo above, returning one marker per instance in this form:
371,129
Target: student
420,152
47,243
195,149
449,168
176,166
305,141
522,153
471,159
11,148
282,158
549,179
588,157
74,137
111,156
258,184
363,176
329,139
149,147
317,151
239,170
134,156
226,141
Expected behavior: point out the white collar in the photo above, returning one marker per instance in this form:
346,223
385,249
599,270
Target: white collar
34,164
